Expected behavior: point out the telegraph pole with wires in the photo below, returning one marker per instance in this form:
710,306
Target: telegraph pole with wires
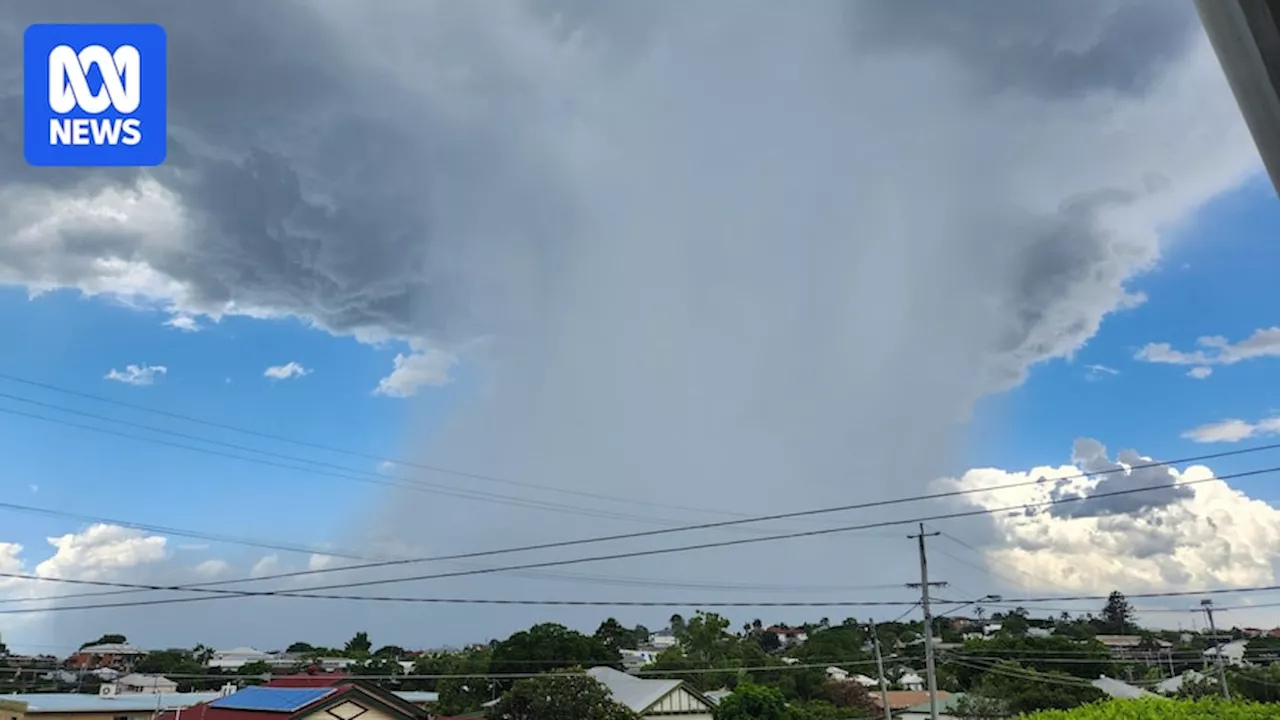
1207,604
884,687
924,586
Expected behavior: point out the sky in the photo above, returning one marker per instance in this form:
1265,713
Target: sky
493,275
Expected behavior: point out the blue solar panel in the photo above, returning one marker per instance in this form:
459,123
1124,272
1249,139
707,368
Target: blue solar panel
271,699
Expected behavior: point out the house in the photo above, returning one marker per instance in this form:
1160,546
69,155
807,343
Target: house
139,683
237,658
343,701
911,681
1116,689
923,711
1232,653
662,639
865,681
636,659
1132,647
652,699
1172,686
106,655
788,636
902,699
84,706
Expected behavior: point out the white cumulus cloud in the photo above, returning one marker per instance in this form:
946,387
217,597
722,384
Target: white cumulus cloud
185,323
212,568
265,566
287,371
1214,350
139,375
1211,536
1233,430
425,368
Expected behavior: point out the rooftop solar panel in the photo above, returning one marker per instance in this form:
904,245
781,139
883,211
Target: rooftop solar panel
271,699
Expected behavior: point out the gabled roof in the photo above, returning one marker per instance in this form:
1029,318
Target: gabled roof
640,694
263,702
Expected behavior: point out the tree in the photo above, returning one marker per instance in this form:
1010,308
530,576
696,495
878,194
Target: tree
359,645
753,702
1023,690
617,636
170,662
458,695
1118,614
850,696
109,639
549,646
705,639
563,697
976,707
301,648
390,652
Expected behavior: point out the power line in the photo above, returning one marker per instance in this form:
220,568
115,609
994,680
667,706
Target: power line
333,449
639,553
1165,594
367,477
455,601
763,518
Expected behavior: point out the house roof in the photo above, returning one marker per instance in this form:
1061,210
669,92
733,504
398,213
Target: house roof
145,681
1116,689
112,649
242,650
85,703
639,694
902,699
265,702
945,704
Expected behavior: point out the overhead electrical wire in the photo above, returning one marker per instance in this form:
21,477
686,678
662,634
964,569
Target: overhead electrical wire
763,518
334,449
208,593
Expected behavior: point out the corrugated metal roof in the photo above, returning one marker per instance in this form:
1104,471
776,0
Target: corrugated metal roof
128,702
636,693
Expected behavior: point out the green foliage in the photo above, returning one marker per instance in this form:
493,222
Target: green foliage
1164,709
617,636
458,695
549,646
1023,690
1042,654
301,648
819,710
390,652
1118,616
563,697
109,639
170,662
359,645
976,707
753,702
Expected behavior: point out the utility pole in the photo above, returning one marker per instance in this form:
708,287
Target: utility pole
1207,604
884,686
924,586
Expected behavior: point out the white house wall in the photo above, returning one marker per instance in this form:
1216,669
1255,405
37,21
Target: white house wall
679,703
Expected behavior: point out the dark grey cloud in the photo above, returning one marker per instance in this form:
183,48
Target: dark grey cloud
1091,457
1054,50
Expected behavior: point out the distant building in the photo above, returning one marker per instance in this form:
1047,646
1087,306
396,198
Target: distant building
1132,647
344,701
788,636
653,699
236,658
662,639
911,681
1232,653
83,706
138,683
106,655
900,700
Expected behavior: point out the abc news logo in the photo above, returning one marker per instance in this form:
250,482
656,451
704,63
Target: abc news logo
69,89
94,95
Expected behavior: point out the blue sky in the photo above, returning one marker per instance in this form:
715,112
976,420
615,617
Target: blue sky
1217,277
214,375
